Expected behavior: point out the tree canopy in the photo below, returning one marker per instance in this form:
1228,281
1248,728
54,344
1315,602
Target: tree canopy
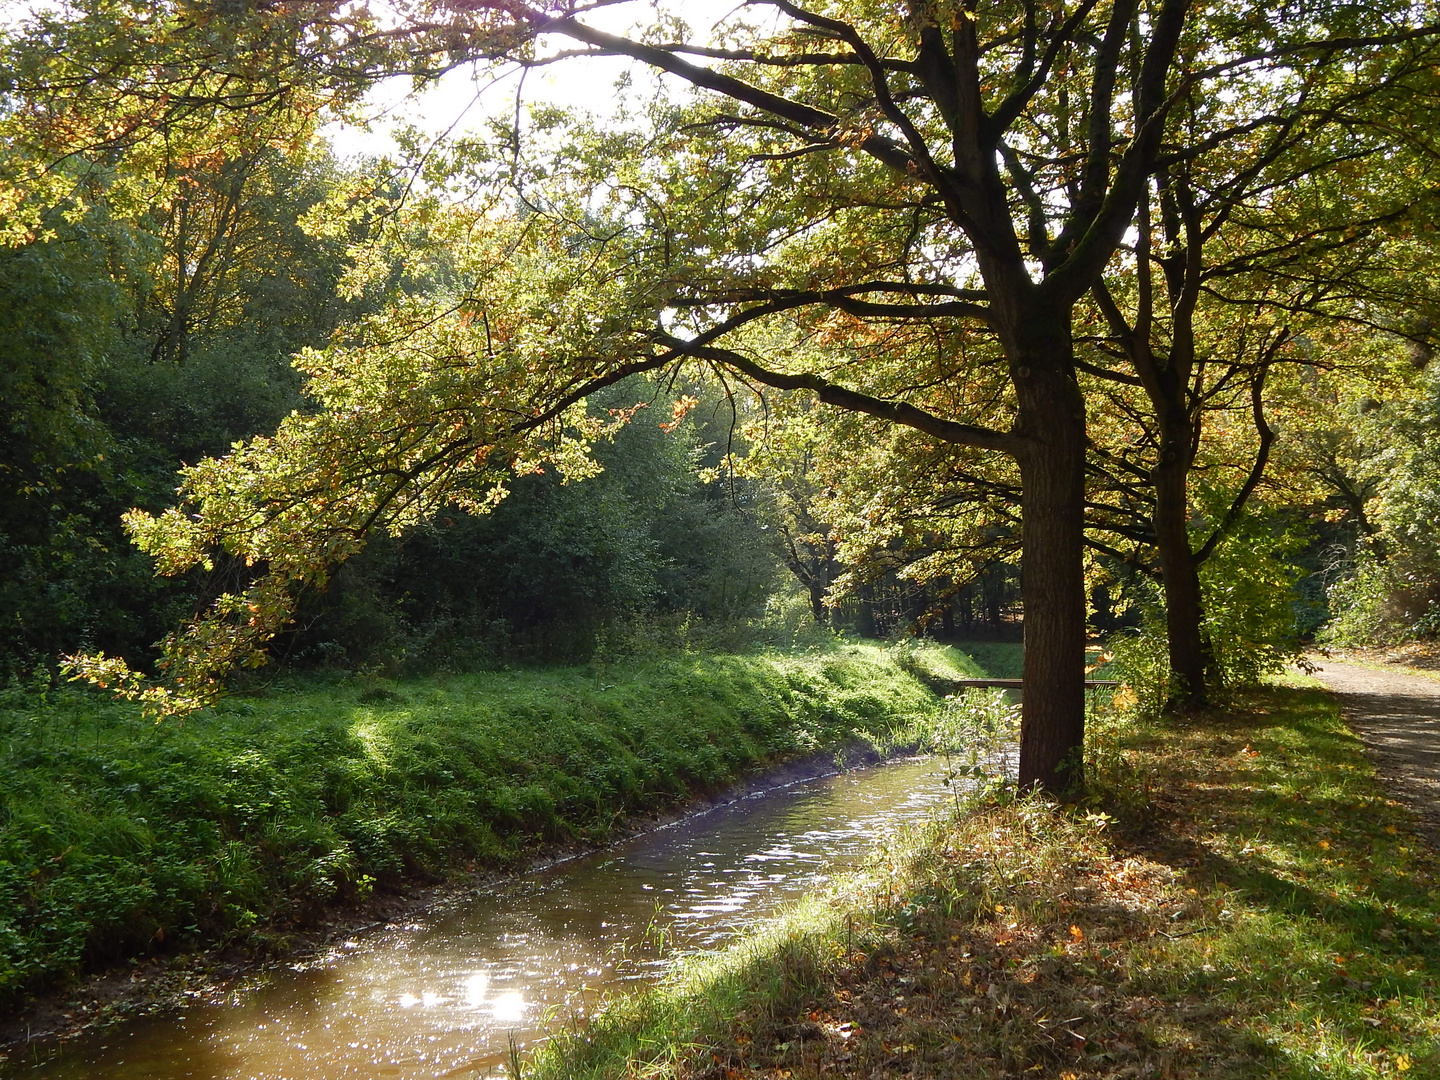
907,213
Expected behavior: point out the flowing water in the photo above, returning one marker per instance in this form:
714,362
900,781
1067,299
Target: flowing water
445,995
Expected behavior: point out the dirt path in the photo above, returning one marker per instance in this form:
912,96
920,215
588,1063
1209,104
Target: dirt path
1397,716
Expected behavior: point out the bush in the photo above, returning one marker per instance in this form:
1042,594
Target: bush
1248,586
1248,590
1380,604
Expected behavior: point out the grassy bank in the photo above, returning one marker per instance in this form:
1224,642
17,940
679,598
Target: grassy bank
1244,902
120,837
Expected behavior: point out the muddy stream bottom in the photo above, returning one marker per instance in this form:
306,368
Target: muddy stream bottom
445,995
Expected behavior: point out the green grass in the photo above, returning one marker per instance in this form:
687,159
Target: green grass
119,836
1324,903
996,659
1242,900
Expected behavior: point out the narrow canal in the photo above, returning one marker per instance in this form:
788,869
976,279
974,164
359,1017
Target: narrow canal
443,996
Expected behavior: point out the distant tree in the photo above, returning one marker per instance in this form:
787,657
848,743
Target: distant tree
59,313
555,565
1376,472
150,296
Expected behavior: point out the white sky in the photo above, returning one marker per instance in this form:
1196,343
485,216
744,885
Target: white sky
465,98
462,101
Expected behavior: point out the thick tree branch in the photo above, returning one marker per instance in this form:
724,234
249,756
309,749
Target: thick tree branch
1089,239
831,393
888,108
1015,103
1262,453
882,149
845,300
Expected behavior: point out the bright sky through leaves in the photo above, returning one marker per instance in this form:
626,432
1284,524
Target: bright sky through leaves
461,101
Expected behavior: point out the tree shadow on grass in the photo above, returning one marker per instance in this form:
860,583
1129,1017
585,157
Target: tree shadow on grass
1322,893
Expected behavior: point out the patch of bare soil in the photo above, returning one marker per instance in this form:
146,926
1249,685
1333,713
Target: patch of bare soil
1397,716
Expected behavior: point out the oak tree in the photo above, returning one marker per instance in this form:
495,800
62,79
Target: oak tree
899,211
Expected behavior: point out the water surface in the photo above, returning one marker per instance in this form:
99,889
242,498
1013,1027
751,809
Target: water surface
443,996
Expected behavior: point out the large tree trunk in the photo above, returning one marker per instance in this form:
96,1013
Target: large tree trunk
817,603
1052,471
1184,611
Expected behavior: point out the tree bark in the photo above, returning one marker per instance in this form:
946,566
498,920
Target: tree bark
1184,609
817,603
1052,470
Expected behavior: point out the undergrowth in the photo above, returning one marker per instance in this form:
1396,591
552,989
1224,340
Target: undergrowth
120,837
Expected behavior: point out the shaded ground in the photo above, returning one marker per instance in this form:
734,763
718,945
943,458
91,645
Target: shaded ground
1250,906
1397,715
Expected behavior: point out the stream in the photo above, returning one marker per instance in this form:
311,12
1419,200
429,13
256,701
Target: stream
443,996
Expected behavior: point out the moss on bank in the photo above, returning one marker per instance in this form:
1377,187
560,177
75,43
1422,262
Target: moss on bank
119,836
1248,904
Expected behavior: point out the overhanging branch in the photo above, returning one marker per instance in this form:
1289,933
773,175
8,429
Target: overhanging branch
831,393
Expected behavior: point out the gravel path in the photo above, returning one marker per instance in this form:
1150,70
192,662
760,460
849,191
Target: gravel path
1398,718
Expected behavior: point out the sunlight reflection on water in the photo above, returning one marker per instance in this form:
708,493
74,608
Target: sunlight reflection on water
443,996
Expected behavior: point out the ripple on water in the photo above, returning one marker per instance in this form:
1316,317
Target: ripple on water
442,998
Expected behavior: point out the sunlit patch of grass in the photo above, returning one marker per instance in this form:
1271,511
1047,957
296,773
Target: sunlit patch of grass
120,837
1324,899
1241,900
